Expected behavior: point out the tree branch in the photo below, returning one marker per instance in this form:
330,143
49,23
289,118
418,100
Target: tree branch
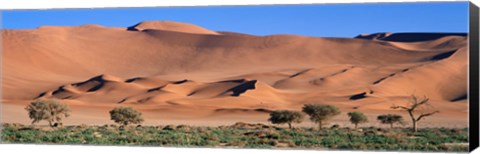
397,106
426,114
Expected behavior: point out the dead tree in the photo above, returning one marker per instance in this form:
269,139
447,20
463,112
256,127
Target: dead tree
415,103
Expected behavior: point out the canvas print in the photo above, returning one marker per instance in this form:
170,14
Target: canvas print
376,76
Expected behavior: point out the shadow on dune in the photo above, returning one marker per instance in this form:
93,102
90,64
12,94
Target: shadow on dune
97,82
408,37
361,95
463,97
443,55
358,96
133,79
262,110
181,81
243,88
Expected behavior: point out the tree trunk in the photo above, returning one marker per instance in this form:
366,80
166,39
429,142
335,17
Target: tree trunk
391,125
414,122
320,125
414,126
290,125
356,125
50,123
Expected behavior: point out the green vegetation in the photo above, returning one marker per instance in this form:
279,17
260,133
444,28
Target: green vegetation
126,115
241,134
48,110
286,116
390,119
357,118
320,113
245,135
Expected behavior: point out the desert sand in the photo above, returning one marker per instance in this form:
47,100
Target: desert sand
179,73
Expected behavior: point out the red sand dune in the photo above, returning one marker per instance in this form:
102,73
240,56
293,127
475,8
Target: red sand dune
182,73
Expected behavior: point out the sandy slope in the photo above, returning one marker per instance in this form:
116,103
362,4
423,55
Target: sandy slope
182,73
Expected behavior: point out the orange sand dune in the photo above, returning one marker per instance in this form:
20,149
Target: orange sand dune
182,73
171,26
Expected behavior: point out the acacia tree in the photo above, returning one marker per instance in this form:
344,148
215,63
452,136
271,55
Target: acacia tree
320,113
412,108
48,110
357,118
125,116
390,119
286,116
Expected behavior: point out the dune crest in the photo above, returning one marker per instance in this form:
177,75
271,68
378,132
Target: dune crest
407,37
171,26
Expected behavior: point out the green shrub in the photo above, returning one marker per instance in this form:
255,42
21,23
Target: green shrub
48,110
357,118
390,119
125,116
285,117
320,113
427,139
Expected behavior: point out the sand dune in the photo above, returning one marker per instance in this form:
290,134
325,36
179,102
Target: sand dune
171,26
408,37
449,84
184,73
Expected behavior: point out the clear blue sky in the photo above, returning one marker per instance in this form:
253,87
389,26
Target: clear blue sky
323,20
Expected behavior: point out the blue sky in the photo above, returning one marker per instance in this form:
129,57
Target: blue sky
321,20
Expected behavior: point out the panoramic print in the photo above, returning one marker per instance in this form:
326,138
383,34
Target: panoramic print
379,76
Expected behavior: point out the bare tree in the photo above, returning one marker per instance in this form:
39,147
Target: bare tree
413,107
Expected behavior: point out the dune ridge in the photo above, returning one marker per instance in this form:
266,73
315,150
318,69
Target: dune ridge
171,26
